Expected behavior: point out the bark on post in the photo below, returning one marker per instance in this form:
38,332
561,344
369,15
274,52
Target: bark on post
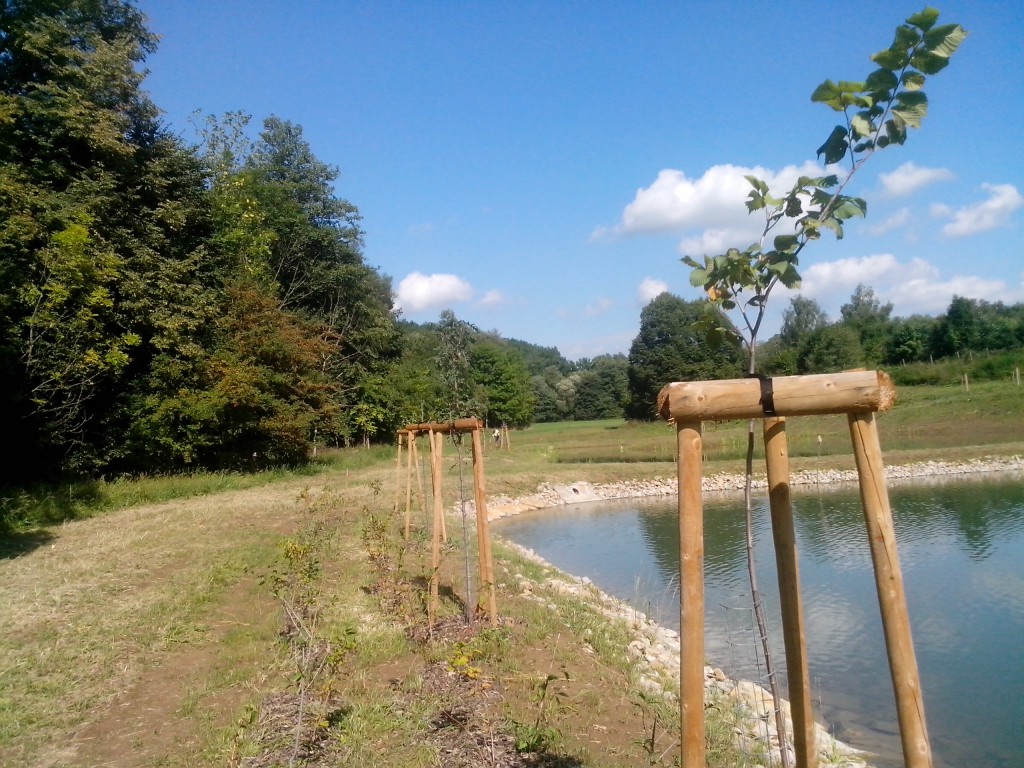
409,454
691,593
858,394
849,392
891,597
435,533
398,474
483,533
439,518
419,476
776,450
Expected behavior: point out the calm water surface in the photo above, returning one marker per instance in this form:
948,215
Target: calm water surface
962,553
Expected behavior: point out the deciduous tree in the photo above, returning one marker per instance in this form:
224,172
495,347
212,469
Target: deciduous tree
671,347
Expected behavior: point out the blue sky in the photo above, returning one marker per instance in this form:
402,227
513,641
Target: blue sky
540,167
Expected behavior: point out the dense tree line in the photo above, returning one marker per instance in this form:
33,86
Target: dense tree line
167,306
866,334
983,338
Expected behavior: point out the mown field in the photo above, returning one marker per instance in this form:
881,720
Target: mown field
278,619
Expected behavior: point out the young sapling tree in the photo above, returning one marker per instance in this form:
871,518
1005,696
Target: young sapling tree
876,113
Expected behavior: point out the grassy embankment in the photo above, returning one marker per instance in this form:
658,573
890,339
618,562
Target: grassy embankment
152,634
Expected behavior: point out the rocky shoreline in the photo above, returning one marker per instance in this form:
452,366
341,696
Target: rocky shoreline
656,648
550,495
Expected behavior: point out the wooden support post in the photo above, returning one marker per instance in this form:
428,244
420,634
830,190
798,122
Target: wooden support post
419,478
398,474
776,451
439,517
483,533
410,455
435,532
858,394
891,597
691,593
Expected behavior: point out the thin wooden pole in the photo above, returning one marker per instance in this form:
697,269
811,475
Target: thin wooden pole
435,533
891,597
691,593
398,474
776,451
410,458
419,476
439,501
483,533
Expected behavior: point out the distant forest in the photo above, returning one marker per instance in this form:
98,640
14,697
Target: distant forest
166,307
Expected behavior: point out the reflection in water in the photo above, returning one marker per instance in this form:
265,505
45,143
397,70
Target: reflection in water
962,553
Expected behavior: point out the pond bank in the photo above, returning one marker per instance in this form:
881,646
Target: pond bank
550,495
655,648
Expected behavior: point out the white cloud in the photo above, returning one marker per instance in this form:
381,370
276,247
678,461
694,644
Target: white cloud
418,292
650,289
895,221
493,298
910,177
1003,200
913,287
828,278
711,210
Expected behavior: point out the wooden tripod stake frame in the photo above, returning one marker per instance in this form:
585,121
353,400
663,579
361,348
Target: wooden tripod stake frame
858,394
435,435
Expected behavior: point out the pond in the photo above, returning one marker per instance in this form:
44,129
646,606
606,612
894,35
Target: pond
962,552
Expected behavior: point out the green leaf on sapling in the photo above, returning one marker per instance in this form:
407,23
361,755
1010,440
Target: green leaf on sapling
828,93
891,58
944,40
881,79
912,81
906,37
786,243
790,278
924,20
835,146
848,207
930,63
758,184
862,127
698,277
896,130
913,107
